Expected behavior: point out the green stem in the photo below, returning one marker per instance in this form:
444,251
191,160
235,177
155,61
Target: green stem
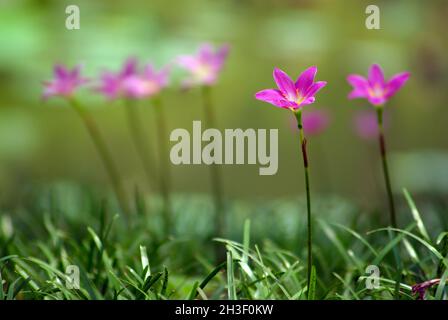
383,152
104,153
215,173
138,137
393,220
165,174
303,142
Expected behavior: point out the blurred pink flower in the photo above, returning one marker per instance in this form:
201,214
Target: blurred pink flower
376,89
314,121
147,84
290,95
111,84
366,124
64,83
129,83
205,66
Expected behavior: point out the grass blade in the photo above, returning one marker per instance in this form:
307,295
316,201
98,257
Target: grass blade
145,262
312,288
194,291
441,286
416,216
231,289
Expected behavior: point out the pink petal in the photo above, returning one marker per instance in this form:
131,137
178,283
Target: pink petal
206,52
377,101
314,88
65,82
376,75
188,62
219,57
272,96
306,79
307,101
359,84
222,53
395,83
48,91
75,73
285,84
60,72
149,71
163,76
129,68
357,81
134,87
357,93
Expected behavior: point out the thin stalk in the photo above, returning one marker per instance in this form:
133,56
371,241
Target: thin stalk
138,137
393,219
165,173
303,142
215,173
104,154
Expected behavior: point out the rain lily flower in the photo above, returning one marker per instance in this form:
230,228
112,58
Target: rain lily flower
134,85
128,83
290,95
315,121
378,91
205,66
64,83
366,124
375,88
112,83
420,288
147,84
294,95
131,84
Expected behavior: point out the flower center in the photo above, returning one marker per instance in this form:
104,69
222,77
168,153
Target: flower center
377,91
203,71
299,98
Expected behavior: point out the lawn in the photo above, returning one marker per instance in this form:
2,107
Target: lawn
264,249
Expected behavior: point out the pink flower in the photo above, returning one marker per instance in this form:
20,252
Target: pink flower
315,121
205,66
112,83
292,95
129,83
376,89
366,124
64,83
147,84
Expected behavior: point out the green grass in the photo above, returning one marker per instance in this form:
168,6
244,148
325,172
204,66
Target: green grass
265,243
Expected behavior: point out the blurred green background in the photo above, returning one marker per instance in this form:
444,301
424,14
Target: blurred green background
45,143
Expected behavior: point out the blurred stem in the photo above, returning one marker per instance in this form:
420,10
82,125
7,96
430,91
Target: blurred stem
138,137
103,152
215,173
393,220
303,141
165,174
